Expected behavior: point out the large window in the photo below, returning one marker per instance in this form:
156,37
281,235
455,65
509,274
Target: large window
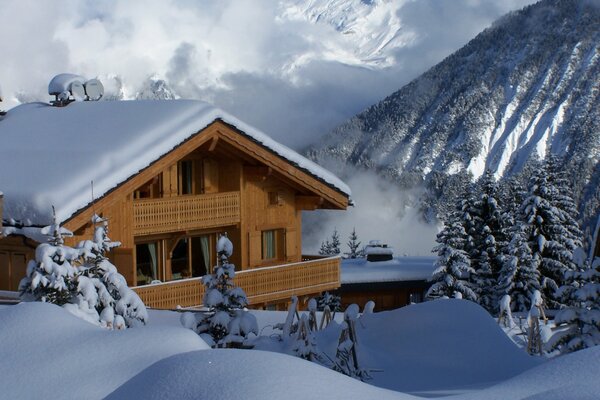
273,242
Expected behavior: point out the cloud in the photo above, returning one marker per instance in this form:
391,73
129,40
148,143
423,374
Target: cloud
274,64
382,212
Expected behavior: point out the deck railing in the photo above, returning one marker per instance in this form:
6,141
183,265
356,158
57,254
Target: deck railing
181,213
262,285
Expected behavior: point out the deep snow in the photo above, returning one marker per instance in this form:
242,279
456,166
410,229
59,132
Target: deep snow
431,349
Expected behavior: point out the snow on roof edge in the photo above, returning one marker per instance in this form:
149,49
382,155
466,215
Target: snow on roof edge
183,126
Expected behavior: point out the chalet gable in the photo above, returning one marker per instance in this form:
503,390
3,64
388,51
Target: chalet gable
51,155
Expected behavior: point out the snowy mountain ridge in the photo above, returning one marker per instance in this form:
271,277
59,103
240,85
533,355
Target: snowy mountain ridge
371,29
525,86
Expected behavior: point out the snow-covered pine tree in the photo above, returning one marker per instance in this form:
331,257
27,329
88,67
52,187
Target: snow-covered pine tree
354,246
101,287
519,276
580,322
485,224
225,323
331,248
549,232
51,276
453,264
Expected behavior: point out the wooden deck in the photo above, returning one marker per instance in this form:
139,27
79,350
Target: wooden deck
180,213
262,285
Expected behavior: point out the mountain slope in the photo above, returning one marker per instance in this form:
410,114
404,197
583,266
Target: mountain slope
527,85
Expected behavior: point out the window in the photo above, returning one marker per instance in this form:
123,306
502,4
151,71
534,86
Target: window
273,244
147,262
180,260
151,189
274,198
186,177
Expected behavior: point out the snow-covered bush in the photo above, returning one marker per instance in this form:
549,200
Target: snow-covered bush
101,287
82,280
326,299
225,323
51,277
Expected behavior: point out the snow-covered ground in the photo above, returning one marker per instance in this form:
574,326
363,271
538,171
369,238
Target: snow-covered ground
444,347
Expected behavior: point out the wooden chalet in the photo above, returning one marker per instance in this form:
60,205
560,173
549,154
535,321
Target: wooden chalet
177,174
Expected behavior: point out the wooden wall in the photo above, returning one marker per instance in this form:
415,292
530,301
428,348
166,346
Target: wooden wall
259,215
14,255
385,298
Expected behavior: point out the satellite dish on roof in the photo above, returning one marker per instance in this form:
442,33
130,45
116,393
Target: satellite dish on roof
94,89
77,91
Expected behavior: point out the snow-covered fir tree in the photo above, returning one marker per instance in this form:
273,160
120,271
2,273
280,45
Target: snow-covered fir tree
353,246
102,292
226,323
579,325
519,276
51,276
331,248
326,299
453,266
82,280
485,223
546,218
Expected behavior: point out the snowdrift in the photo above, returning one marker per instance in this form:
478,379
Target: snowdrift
243,374
48,353
573,376
438,345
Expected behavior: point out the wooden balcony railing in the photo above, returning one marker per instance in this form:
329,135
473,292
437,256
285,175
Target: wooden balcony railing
262,285
181,213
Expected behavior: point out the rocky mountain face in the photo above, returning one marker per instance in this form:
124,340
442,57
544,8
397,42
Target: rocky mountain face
526,86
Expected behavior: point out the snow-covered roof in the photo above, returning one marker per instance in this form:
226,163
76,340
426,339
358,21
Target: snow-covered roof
399,269
49,155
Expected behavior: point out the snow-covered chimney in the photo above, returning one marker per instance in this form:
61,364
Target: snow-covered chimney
378,251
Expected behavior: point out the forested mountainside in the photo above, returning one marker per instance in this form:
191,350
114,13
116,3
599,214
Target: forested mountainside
528,85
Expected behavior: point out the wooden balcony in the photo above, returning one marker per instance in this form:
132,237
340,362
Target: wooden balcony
173,214
262,285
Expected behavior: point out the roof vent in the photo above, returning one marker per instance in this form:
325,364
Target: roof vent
376,250
67,88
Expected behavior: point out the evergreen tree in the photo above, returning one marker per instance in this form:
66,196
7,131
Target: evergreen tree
50,277
226,323
331,248
353,245
325,249
519,276
453,264
335,243
485,224
103,292
580,323
548,228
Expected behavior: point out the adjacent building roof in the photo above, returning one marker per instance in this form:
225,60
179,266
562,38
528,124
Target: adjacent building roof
49,155
399,269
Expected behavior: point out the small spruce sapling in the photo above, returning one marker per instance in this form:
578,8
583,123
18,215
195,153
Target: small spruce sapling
226,323
51,277
354,246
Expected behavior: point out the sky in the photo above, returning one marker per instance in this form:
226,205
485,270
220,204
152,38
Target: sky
271,63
